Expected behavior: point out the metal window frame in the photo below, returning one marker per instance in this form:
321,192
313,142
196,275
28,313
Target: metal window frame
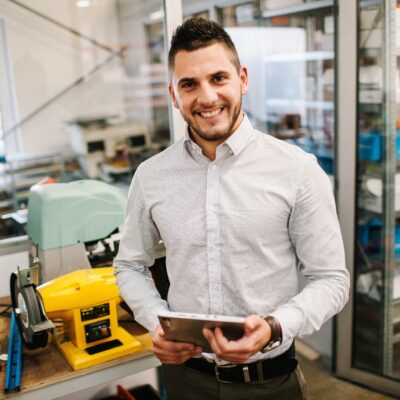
347,50
173,18
8,99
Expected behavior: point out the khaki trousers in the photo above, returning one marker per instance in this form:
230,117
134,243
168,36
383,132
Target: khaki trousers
184,383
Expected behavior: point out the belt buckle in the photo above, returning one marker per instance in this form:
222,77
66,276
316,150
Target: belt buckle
216,366
246,374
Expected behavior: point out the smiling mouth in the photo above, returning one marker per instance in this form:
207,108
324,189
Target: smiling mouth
210,114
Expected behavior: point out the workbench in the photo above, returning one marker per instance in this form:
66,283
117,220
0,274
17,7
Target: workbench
47,375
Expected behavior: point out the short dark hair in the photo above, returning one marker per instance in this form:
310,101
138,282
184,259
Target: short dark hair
196,33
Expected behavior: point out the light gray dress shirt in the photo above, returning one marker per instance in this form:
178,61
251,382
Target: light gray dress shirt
236,231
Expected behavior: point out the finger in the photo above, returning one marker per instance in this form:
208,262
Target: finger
227,349
240,349
176,358
163,345
221,340
231,345
163,352
170,345
177,347
210,336
159,332
252,322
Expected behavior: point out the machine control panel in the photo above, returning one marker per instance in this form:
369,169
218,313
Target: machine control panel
99,311
97,331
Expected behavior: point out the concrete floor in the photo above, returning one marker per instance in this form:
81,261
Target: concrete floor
322,385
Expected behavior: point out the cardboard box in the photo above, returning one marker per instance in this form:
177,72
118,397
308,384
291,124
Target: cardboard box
367,18
329,25
371,96
371,38
328,42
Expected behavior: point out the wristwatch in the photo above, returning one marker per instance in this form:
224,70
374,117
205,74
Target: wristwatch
276,334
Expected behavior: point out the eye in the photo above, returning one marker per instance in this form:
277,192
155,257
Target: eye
187,85
219,78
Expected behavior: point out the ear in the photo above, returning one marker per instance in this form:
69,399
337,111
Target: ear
243,80
172,94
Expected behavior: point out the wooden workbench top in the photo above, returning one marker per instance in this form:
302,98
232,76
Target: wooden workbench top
47,366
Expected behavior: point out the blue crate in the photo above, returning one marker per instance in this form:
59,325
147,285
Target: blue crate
326,163
370,145
370,236
398,143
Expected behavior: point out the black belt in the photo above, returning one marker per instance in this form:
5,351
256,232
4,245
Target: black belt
256,371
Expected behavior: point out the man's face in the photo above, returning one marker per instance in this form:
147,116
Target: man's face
207,89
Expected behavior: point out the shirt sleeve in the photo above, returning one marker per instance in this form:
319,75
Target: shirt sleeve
135,255
315,233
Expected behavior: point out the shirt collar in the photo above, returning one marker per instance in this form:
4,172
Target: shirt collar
236,142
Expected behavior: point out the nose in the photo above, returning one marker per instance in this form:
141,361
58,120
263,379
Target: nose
207,95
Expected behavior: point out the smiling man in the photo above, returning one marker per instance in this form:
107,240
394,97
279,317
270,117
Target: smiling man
240,214
208,85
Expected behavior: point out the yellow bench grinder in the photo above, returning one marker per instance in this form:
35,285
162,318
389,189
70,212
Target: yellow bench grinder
83,305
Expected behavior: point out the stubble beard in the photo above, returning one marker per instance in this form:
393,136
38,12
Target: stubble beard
218,135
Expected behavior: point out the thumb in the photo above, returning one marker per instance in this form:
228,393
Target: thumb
252,323
159,330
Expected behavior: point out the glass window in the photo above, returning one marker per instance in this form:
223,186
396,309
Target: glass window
376,321
91,90
291,68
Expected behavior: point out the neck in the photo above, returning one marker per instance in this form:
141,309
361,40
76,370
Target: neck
209,147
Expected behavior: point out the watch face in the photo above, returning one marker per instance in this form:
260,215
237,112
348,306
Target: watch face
270,346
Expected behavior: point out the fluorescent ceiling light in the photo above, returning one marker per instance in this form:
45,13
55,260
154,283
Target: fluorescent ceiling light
157,15
83,3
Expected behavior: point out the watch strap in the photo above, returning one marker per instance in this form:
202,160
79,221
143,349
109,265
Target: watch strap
276,334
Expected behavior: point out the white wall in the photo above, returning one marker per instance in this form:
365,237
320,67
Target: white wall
47,59
8,264
265,42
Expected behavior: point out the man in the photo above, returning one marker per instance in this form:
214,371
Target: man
239,213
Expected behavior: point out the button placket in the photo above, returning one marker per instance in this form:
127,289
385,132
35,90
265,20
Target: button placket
213,251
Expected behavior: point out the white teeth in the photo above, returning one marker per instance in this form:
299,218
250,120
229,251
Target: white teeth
210,114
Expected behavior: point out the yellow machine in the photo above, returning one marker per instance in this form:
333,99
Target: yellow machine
84,302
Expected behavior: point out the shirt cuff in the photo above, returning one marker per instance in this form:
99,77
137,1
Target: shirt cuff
289,321
150,320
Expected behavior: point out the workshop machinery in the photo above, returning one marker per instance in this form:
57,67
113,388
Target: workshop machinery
79,309
74,225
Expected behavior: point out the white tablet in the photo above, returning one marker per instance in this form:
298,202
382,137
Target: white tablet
188,327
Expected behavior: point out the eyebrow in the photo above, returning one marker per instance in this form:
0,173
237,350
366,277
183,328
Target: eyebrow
185,80
213,75
222,72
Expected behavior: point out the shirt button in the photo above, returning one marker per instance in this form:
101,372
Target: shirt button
213,167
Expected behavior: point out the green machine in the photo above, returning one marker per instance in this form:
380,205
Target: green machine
74,225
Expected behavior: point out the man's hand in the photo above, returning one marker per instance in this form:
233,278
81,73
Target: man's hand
257,334
169,352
